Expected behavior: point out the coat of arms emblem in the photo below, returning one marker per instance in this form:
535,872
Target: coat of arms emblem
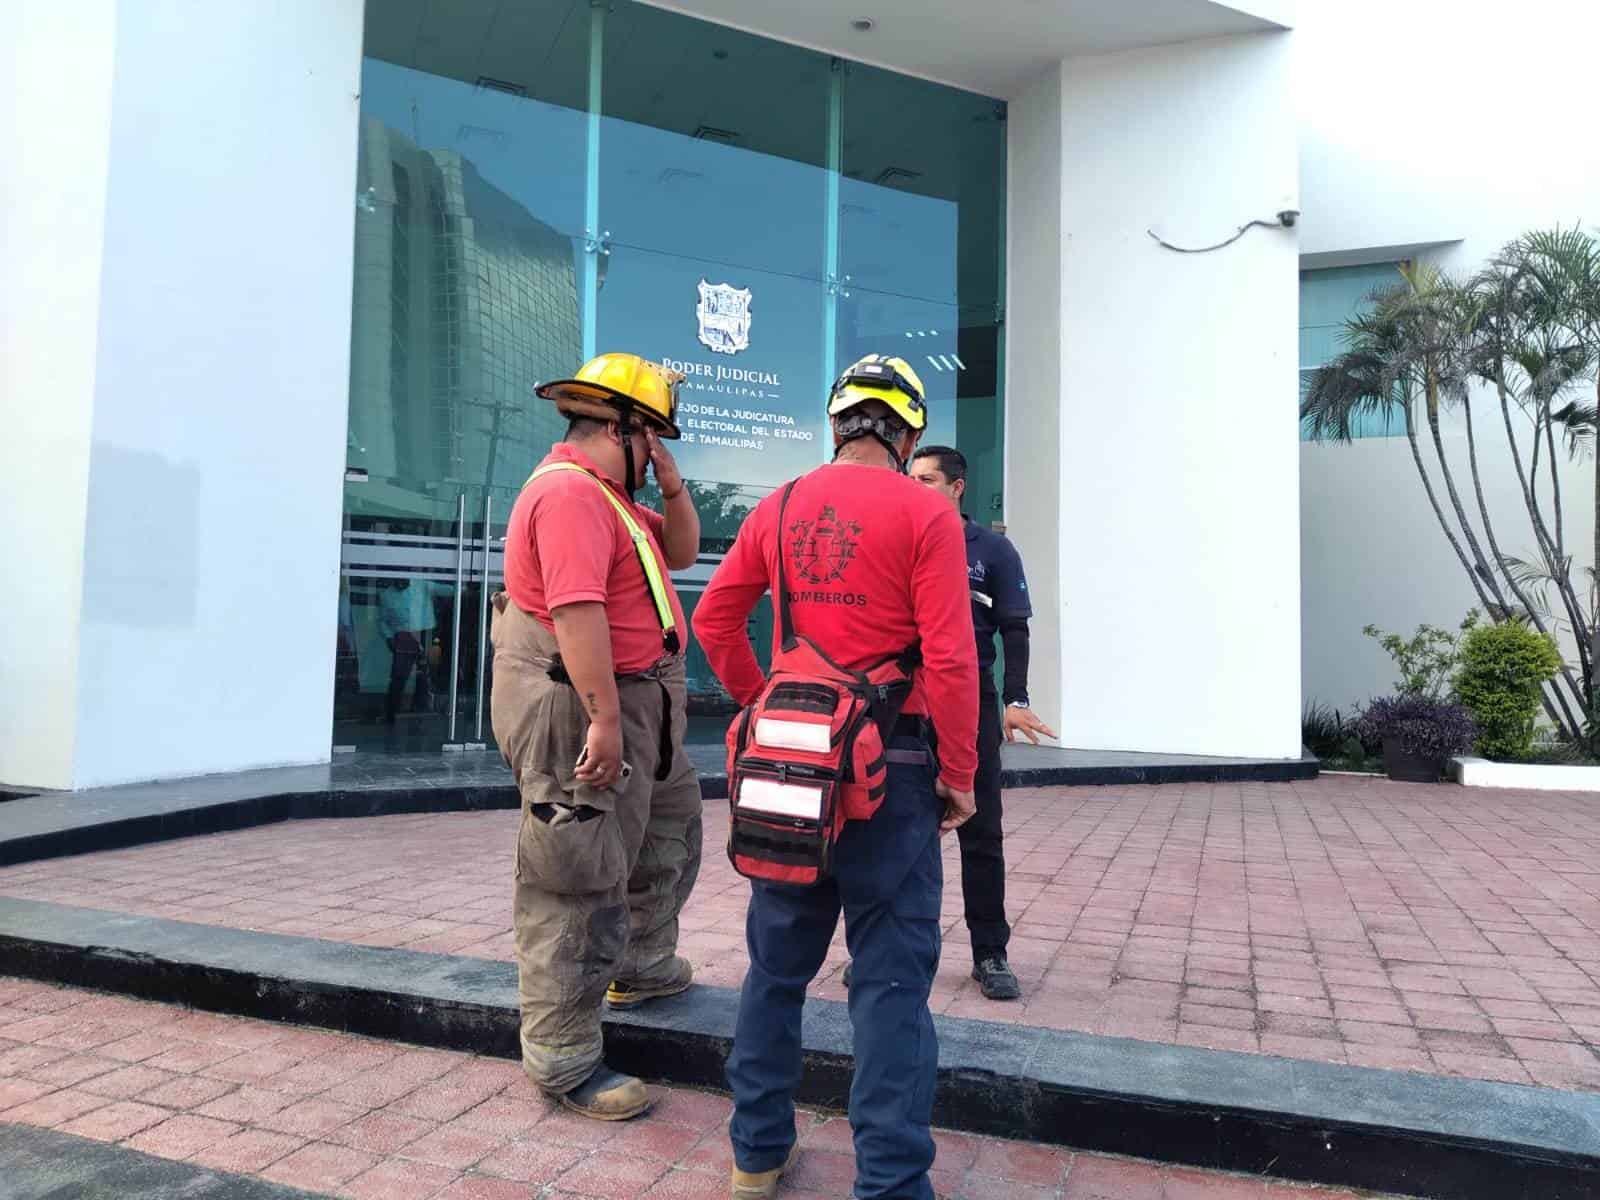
823,548
724,313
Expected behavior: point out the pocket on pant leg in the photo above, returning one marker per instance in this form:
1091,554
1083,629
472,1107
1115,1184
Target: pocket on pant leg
571,842
572,847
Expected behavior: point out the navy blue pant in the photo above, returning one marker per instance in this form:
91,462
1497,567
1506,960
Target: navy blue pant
983,856
888,880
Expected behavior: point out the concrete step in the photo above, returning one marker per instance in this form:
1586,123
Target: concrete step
1391,1131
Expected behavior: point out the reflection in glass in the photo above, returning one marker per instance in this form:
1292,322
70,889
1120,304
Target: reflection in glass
464,299
921,232
465,296
543,178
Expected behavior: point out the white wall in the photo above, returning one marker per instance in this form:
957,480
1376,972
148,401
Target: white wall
52,211
1418,124
177,325
1372,550
1033,373
1177,455
211,547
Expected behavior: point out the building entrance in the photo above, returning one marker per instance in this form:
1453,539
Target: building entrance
543,181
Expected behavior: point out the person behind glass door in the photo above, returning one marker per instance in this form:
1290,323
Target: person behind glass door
406,619
347,662
999,591
589,704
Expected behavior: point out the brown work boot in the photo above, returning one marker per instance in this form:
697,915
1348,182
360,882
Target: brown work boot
628,995
606,1095
762,1185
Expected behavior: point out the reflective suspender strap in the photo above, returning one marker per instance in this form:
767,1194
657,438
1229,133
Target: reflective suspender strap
641,546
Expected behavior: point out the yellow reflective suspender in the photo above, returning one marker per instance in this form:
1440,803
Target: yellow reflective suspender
641,546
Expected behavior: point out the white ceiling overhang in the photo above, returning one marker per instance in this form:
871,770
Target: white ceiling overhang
989,46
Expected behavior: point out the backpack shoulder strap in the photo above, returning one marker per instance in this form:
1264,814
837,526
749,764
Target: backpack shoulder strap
785,619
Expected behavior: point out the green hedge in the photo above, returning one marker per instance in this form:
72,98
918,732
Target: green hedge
1503,667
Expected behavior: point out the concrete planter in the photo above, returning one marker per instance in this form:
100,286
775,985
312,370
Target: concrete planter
1480,772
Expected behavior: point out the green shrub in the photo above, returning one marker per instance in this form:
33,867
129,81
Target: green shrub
1426,659
1503,667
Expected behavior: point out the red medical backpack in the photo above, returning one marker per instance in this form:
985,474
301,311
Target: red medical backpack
809,753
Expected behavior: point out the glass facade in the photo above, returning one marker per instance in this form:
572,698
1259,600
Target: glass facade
542,181
1328,298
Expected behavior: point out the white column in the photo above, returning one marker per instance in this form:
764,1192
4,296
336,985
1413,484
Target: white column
1173,419
1033,374
202,387
53,157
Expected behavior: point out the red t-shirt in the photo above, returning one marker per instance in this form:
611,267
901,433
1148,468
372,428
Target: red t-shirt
565,544
875,562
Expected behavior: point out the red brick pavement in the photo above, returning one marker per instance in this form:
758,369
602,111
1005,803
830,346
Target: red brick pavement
348,1116
1438,929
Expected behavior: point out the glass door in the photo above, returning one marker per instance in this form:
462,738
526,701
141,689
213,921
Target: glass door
540,181
469,217
413,655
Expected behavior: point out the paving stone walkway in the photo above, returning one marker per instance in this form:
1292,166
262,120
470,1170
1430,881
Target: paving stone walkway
347,1116
1436,929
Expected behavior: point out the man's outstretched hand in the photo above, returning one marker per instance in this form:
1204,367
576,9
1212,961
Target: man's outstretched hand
1021,720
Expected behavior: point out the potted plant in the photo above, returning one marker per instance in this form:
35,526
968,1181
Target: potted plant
1419,728
1418,733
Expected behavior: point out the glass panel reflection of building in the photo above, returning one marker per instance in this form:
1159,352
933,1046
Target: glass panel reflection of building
465,300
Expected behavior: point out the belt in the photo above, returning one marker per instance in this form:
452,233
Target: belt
907,726
557,672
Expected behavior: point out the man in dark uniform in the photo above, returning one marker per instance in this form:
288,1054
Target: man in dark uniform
999,606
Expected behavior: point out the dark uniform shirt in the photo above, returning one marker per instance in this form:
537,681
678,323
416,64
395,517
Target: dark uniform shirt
999,605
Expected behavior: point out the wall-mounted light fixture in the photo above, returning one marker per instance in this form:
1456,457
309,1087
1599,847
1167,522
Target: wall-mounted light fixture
1285,219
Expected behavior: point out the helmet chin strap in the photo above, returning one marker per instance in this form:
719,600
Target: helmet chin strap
630,481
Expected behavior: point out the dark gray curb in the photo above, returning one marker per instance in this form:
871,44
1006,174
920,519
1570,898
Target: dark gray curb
1453,1139
181,821
1178,771
40,1164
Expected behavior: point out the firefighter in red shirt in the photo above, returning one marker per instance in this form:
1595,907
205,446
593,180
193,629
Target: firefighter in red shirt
589,707
875,564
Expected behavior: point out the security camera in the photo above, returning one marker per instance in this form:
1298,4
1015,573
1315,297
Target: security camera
1288,217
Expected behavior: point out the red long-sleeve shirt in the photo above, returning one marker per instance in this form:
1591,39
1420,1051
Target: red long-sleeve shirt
875,562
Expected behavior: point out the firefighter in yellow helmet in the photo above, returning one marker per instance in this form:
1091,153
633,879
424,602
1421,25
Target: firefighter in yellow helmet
859,397
894,562
589,709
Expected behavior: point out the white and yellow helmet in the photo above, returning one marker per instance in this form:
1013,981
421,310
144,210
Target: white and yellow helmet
881,377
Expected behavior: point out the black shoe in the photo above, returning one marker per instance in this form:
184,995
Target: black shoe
996,980
606,1095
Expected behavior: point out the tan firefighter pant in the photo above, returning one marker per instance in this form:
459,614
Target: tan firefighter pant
601,875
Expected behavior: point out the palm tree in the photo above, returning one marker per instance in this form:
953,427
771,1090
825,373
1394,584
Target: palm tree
1403,362
1514,350
1555,274
1420,349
